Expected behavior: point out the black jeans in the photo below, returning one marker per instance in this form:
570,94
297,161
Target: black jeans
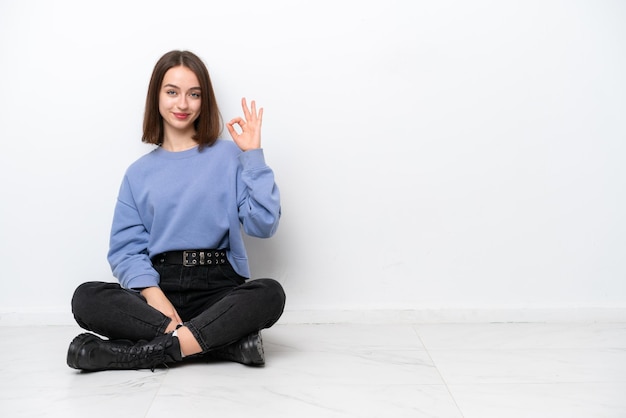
217,305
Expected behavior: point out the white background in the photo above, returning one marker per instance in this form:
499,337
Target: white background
431,155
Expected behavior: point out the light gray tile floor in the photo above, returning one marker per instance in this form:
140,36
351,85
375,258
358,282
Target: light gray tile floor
484,370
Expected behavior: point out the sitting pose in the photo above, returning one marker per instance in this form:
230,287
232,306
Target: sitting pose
176,245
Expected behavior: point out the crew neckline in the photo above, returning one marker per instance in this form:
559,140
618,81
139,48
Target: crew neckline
177,155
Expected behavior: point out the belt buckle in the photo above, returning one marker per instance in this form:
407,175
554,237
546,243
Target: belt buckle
186,261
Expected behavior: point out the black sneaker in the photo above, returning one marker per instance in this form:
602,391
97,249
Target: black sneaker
91,353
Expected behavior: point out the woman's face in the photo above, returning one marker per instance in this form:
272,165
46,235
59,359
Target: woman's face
179,99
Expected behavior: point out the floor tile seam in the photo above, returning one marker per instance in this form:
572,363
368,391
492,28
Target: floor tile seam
556,380
349,350
317,383
537,349
443,380
560,383
424,347
520,322
157,391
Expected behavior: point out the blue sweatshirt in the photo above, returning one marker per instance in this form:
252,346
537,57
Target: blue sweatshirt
188,200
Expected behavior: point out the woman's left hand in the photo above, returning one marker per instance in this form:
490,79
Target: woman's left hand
250,126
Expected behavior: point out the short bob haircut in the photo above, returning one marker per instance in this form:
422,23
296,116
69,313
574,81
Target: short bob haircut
208,124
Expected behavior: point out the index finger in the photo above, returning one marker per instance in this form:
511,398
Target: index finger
244,106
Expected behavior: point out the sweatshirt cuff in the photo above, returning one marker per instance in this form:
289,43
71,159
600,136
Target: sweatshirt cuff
252,159
141,282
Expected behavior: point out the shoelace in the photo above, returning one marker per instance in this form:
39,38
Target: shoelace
142,353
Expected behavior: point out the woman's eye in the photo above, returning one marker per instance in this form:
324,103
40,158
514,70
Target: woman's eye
195,95
170,92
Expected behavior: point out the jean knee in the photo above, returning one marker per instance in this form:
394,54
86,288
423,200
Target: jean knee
271,287
274,295
84,297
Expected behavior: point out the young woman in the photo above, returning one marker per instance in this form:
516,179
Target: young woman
176,245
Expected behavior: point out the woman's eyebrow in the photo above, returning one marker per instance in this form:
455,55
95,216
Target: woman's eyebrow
176,87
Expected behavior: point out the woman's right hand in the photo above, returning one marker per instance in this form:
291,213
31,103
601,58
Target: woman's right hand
157,299
250,126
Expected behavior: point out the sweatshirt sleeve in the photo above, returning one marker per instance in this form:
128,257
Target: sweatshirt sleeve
258,195
128,254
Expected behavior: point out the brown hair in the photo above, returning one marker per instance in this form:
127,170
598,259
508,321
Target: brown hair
208,124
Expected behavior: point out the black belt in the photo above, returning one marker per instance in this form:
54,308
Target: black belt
191,258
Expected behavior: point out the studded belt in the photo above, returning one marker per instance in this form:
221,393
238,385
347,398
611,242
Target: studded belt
192,258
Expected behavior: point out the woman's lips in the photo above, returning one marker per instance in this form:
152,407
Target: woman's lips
181,116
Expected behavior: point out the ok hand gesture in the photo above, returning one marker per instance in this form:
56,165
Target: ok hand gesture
250,127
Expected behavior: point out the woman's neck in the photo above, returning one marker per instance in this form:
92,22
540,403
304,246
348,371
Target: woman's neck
178,141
